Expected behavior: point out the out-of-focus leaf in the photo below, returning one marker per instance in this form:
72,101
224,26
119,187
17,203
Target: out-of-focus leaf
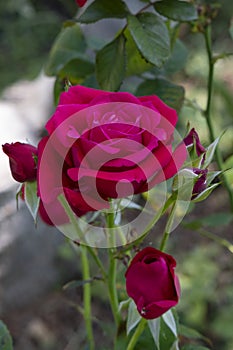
101,9
213,220
180,11
5,338
178,58
110,64
69,44
231,29
133,317
194,347
151,37
228,166
171,94
191,333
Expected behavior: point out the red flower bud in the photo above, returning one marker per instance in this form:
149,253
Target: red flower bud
200,184
22,160
193,139
81,3
151,282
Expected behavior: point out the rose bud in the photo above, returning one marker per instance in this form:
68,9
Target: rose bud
193,139
81,3
200,184
22,160
151,282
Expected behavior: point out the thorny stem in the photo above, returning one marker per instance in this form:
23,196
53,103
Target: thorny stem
207,112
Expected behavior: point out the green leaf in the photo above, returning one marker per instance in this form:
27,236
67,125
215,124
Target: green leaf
183,177
204,194
154,326
133,317
136,64
58,88
170,321
5,338
151,37
18,194
211,175
209,155
110,64
191,333
213,220
183,184
194,347
180,11
171,94
167,339
124,304
31,199
69,44
178,58
77,69
101,9
228,166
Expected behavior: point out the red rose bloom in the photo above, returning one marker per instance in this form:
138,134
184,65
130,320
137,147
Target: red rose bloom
151,282
22,160
81,3
105,145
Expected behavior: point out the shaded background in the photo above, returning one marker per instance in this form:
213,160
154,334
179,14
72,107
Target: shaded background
35,263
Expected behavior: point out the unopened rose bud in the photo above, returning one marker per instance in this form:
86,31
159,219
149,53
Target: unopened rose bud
81,3
200,184
151,282
22,160
193,139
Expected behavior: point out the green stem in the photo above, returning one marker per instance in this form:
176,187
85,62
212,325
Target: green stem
207,112
75,224
168,227
85,273
112,268
87,297
140,328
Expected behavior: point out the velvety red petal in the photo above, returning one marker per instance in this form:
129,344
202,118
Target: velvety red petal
167,112
81,3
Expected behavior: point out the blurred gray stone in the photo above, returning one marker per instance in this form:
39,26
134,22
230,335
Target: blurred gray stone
27,259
